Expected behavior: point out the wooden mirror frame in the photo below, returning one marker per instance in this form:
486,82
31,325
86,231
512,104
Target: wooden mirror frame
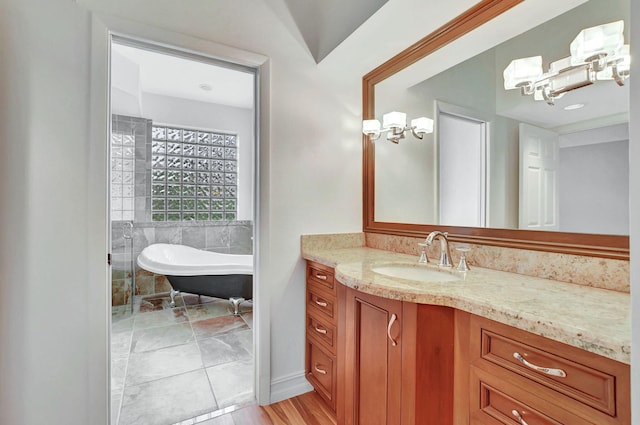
606,246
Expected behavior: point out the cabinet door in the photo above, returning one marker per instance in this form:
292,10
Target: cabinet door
373,359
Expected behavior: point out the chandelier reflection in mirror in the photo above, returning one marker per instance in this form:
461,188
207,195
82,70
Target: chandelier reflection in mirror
597,54
395,125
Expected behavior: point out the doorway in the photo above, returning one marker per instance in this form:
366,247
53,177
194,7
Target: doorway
182,166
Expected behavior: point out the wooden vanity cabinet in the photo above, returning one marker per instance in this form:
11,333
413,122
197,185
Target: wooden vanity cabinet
321,362
379,361
373,359
399,362
518,377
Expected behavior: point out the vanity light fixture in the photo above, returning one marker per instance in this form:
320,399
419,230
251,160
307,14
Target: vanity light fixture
597,54
395,125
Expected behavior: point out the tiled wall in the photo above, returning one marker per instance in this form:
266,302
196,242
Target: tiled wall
130,172
234,237
194,175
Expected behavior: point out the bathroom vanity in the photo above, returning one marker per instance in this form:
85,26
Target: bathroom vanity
484,347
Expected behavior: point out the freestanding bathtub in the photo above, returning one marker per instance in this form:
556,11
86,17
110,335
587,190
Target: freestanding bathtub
201,272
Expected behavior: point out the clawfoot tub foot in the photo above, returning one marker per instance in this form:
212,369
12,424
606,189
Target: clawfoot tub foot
235,304
173,294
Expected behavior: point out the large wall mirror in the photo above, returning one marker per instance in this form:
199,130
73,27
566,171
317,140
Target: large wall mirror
473,176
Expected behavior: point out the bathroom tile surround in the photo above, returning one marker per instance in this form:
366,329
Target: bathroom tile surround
131,193
233,237
129,167
582,270
171,365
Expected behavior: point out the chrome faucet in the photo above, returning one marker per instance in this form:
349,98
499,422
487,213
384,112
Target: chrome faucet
445,253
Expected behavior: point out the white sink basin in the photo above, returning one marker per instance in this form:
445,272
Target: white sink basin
421,274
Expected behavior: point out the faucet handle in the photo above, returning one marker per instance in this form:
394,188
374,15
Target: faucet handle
463,249
423,253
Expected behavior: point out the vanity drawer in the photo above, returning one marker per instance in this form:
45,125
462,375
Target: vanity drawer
593,384
499,403
325,334
320,303
322,332
319,274
321,372
582,382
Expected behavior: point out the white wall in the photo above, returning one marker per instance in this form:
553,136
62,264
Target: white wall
194,114
593,188
45,357
125,86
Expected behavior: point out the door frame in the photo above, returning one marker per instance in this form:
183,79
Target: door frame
103,29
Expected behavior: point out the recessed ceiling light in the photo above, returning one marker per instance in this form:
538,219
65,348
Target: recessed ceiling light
205,87
574,106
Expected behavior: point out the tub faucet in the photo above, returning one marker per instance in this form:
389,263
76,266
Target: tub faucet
445,253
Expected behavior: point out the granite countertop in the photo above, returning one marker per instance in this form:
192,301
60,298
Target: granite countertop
595,320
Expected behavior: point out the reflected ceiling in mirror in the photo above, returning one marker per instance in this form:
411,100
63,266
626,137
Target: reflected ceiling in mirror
406,185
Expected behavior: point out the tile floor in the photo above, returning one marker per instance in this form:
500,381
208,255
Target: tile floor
173,365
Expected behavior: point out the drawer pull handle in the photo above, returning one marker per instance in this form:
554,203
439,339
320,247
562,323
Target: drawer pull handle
320,330
391,321
553,372
321,303
320,371
518,417
321,276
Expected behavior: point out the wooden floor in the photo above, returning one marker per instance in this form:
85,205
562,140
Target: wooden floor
306,409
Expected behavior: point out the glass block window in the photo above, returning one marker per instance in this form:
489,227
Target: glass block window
193,175
122,175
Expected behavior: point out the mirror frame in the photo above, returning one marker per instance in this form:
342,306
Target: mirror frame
595,245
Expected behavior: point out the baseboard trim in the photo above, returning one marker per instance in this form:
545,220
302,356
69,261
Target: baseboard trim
289,386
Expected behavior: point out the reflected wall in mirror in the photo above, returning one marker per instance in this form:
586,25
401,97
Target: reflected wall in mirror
441,177
472,172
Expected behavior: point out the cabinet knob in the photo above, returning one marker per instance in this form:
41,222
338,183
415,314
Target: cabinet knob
549,371
321,276
518,417
391,322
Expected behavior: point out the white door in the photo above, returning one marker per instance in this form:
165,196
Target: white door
539,157
462,170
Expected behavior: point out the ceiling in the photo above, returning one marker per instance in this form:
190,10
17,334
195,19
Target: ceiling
605,103
174,76
325,24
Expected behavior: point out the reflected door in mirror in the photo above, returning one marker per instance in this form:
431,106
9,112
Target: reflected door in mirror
462,171
539,152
